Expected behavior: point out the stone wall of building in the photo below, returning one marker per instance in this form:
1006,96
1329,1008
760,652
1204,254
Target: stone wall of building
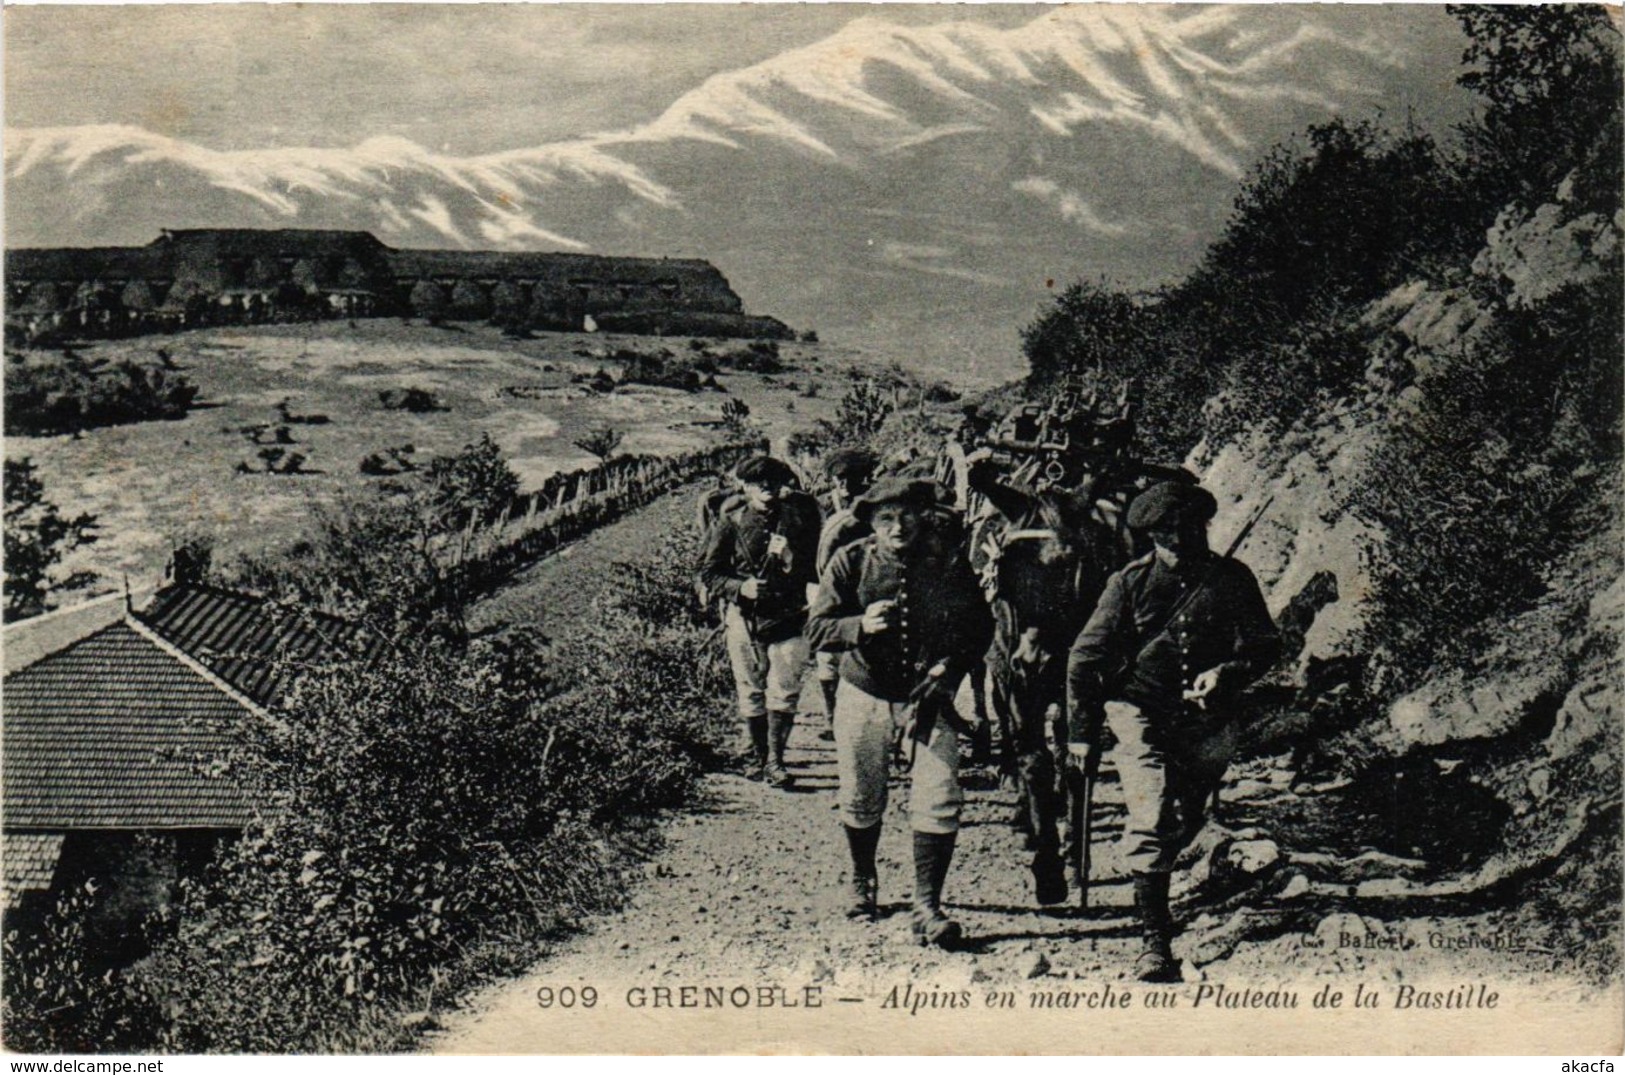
189,278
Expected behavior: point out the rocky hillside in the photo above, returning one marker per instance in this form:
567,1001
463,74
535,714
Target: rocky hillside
1490,782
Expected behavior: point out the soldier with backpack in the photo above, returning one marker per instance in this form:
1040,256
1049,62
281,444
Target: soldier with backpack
760,561
1175,638
851,472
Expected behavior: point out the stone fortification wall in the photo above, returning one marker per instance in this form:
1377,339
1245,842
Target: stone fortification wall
190,278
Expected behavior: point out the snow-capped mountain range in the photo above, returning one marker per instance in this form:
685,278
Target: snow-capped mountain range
921,185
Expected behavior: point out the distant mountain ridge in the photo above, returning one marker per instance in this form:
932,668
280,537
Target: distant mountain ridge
899,181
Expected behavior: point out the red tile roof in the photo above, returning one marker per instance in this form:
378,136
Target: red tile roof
106,733
250,642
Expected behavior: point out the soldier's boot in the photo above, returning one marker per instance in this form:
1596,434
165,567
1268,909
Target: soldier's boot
865,885
1156,962
828,687
933,853
756,763
1049,878
779,724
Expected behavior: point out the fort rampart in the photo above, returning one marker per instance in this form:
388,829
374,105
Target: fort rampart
192,278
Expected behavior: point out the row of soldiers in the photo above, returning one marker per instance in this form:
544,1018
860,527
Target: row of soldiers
904,588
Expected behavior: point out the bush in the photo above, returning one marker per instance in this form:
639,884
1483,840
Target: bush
370,556
439,804
415,400
422,801
59,998
862,411
475,484
37,538
277,460
1504,443
285,412
63,396
1549,78
597,381
736,417
664,370
807,442
758,356
1348,213
1318,359
389,462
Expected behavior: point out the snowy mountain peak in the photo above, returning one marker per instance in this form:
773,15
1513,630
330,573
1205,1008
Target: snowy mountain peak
895,173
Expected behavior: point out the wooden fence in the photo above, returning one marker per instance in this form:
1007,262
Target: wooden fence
571,505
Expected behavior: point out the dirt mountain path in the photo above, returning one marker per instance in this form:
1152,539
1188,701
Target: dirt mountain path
561,588
748,889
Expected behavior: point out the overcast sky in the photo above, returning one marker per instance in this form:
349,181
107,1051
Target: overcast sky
233,77
460,78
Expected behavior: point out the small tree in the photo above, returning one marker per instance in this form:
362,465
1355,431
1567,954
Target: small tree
735,415
475,483
38,537
861,413
600,442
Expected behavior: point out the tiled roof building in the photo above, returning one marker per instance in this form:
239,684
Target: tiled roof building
116,719
253,644
31,859
106,735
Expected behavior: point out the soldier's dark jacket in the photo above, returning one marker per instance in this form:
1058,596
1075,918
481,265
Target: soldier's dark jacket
736,550
940,615
1225,623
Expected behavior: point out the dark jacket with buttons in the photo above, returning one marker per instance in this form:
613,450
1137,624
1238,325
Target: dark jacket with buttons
1116,656
940,615
736,550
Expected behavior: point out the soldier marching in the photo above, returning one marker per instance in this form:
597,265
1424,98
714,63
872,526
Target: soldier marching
906,615
1083,645
760,562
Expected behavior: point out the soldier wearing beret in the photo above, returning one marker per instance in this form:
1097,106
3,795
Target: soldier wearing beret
907,616
1175,637
760,560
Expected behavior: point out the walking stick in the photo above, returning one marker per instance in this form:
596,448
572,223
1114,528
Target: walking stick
1083,810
